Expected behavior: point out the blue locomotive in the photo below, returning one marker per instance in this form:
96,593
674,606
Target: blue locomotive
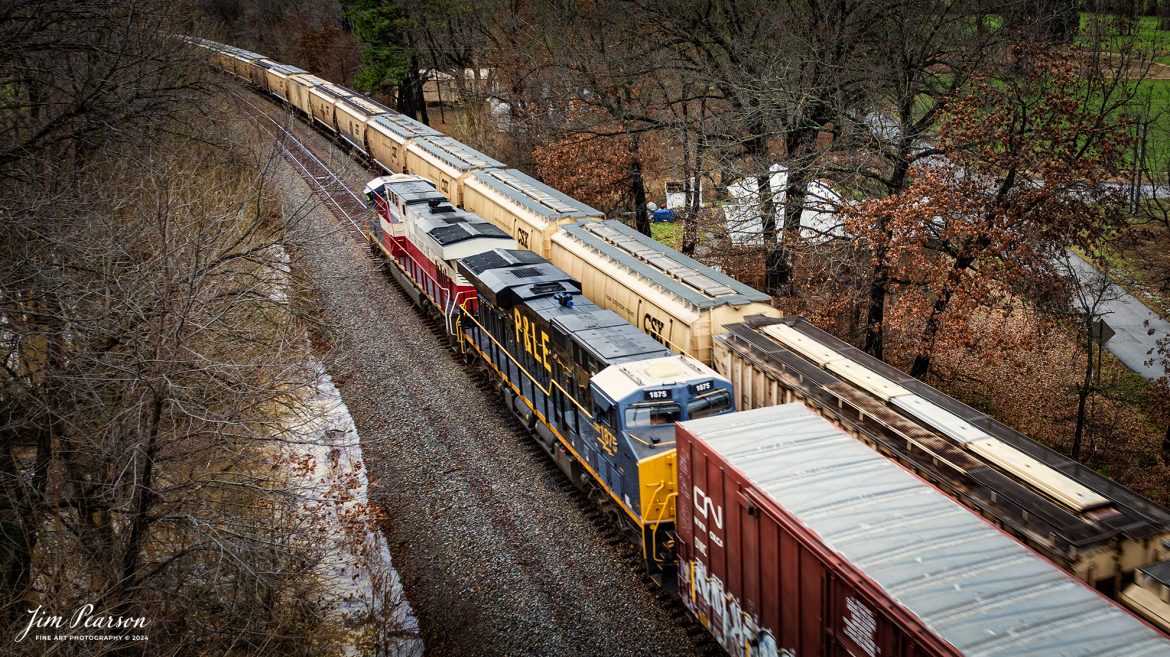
601,395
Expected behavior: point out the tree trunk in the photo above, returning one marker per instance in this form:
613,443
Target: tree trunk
775,258
1083,394
934,322
638,188
1166,447
419,99
876,314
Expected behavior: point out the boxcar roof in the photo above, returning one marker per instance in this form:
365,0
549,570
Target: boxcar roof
533,195
966,581
674,272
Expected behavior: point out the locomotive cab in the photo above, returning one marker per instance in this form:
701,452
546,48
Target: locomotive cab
636,405
386,199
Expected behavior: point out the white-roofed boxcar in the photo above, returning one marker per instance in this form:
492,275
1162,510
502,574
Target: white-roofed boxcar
796,539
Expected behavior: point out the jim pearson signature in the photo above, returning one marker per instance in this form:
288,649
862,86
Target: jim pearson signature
82,617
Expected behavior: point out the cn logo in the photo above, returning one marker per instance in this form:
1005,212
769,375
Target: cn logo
708,509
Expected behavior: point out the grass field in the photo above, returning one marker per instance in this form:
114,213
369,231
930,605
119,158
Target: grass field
667,232
1144,35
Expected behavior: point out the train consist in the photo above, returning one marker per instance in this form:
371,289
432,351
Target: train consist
777,543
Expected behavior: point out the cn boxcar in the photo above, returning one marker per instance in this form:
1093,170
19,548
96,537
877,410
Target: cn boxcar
526,208
446,162
678,301
1093,527
796,539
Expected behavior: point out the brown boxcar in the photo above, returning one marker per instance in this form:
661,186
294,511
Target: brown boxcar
795,539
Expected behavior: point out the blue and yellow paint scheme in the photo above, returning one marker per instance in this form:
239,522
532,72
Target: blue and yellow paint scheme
601,395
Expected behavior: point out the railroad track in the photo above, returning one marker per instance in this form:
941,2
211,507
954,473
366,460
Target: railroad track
349,210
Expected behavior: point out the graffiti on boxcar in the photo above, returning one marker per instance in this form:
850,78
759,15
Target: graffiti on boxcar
725,617
861,626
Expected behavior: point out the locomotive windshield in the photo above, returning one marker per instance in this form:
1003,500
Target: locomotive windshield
648,415
707,405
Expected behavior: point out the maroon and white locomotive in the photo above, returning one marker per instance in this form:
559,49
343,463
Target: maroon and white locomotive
417,227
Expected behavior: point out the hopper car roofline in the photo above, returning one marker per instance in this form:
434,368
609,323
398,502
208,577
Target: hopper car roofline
739,294
396,125
455,154
534,196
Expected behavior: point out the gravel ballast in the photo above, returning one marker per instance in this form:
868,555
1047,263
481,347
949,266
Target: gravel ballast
496,556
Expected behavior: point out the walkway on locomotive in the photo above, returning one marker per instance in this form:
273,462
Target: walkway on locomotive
608,390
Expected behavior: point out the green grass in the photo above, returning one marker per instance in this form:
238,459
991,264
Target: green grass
669,233
1145,35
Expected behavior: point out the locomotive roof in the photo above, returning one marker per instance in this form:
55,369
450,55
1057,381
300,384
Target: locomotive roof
455,154
534,196
461,232
414,191
403,127
511,277
623,380
674,272
508,277
967,582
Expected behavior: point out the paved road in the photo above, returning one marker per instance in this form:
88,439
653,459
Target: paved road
1133,321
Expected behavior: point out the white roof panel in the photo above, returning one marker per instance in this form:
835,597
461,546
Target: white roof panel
1050,482
939,419
796,341
866,379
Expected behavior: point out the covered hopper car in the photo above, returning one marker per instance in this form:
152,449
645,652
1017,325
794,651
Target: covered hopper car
678,301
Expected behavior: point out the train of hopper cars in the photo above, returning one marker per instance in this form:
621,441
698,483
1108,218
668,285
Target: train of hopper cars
602,398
